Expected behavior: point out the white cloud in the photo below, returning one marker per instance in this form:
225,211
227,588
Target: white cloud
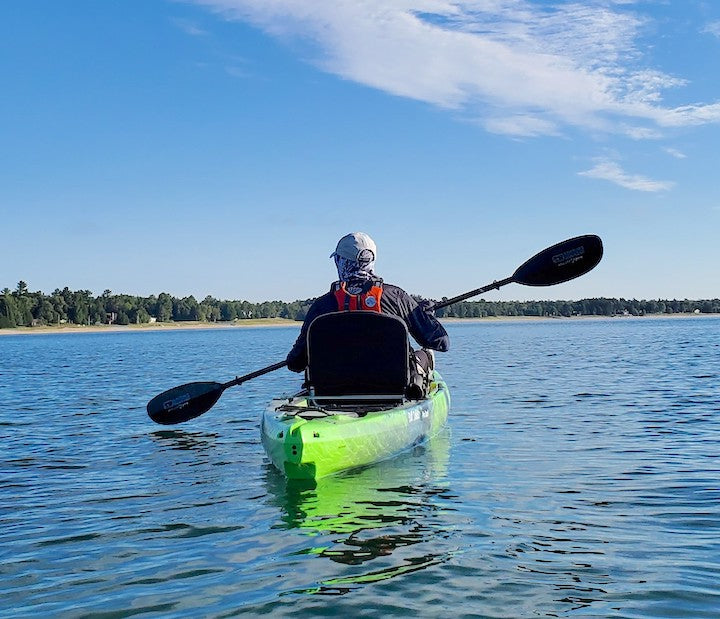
237,71
519,67
642,133
521,125
674,152
189,27
713,28
611,171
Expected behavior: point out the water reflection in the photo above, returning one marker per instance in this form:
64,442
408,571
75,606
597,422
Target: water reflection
390,516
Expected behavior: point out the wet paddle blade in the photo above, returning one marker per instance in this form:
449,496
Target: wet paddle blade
561,263
184,402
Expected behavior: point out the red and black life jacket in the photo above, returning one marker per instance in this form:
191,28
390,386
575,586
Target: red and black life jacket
368,301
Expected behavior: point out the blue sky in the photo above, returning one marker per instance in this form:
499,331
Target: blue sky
223,146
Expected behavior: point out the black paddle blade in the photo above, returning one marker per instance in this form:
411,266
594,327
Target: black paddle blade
184,402
561,263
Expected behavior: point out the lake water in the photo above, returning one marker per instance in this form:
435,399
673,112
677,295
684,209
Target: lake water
579,476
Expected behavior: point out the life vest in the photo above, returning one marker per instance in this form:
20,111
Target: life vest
369,300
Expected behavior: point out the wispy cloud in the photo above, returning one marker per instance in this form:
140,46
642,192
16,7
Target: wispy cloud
189,27
238,70
674,152
641,133
520,125
608,170
713,28
518,67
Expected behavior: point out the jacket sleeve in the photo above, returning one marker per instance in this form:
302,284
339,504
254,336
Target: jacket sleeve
297,359
422,324
426,328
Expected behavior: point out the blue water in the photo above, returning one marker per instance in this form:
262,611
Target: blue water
579,476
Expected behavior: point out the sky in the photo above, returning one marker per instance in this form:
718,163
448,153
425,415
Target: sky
222,147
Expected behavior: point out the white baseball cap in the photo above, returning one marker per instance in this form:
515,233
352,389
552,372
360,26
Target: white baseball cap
356,246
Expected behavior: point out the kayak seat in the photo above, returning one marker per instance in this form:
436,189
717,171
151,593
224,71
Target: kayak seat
359,353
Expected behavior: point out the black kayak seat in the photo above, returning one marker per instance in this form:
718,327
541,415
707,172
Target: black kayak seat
358,353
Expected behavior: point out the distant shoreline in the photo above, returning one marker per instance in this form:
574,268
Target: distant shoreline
583,317
153,326
283,322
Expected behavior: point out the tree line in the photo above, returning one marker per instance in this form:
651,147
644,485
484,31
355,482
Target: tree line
21,307
585,307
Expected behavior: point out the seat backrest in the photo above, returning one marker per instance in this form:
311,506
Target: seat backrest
358,353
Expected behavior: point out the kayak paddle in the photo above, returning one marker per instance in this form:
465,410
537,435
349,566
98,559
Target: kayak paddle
554,265
193,399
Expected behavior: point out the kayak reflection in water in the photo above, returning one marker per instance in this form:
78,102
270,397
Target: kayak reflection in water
372,524
359,289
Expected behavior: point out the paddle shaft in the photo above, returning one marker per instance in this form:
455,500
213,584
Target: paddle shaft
238,380
473,293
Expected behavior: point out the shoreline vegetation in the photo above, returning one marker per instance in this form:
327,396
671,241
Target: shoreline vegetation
286,322
151,326
22,311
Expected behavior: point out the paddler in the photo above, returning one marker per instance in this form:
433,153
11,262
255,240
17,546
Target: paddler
358,288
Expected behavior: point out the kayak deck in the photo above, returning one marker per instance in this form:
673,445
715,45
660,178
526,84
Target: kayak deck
306,439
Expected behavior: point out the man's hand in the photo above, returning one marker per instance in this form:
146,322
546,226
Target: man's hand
427,306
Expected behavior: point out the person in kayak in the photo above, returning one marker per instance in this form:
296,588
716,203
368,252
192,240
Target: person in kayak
358,288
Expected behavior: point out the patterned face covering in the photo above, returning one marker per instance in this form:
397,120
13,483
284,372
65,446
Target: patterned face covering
351,271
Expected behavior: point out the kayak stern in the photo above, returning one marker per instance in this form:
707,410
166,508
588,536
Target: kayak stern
306,442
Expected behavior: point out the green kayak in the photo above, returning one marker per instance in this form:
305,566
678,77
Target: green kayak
306,439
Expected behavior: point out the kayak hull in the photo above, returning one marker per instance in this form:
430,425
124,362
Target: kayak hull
305,447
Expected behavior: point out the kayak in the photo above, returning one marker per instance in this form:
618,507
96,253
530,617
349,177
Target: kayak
308,439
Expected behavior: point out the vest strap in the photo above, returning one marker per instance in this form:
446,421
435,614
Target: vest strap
366,301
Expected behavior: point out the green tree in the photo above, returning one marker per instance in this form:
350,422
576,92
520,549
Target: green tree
164,307
7,311
228,310
23,311
47,314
